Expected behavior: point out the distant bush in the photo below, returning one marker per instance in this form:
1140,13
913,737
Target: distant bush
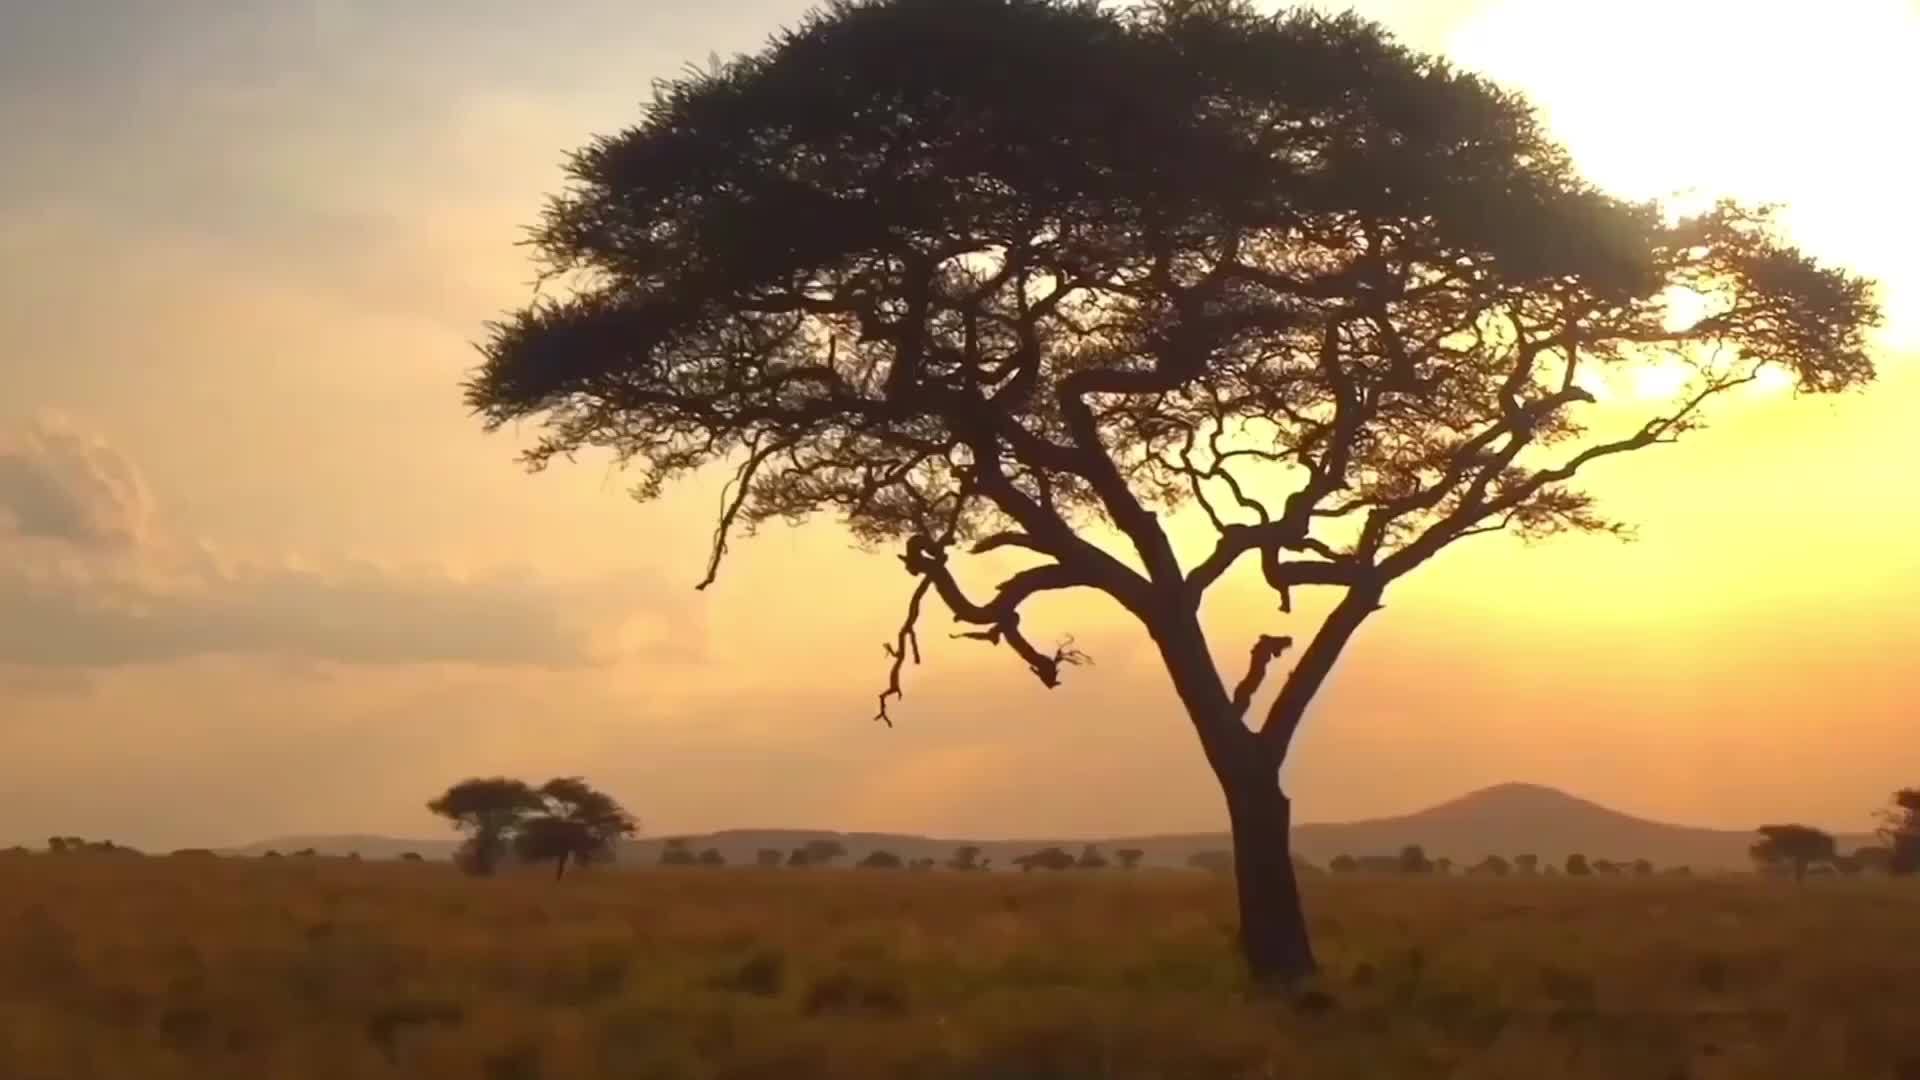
880,860
411,856
1343,864
712,857
1091,859
1051,858
675,852
1413,860
1577,866
1129,857
965,858
767,856
1491,866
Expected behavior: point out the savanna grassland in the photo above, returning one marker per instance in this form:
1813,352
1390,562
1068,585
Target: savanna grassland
174,968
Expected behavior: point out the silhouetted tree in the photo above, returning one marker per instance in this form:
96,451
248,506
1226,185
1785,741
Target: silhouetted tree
1606,868
1577,866
767,856
675,852
411,856
1793,847
1901,828
1492,866
1443,865
797,857
712,857
1413,860
880,860
306,853
269,854
1343,864
1642,868
578,822
1091,859
1129,857
965,857
921,865
822,852
1527,864
925,288
487,810
1051,858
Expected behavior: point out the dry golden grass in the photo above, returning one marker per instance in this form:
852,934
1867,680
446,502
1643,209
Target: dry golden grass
132,969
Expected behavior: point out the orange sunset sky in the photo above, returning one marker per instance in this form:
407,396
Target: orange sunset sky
260,573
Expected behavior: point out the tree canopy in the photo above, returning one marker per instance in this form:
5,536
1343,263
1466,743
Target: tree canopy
577,822
488,810
1793,847
1027,276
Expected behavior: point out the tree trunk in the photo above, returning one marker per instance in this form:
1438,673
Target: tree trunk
1273,927
560,866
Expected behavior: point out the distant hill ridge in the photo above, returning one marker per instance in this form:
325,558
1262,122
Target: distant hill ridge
1505,819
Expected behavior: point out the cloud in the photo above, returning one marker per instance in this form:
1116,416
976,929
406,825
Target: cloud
88,581
58,484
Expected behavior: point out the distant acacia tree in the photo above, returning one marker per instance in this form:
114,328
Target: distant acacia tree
488,810
1091,859
823,851
1527,864
1901,829
1606,868
965,857
712,857
767,856
1348,304
1051,858
1343,864
1791,847
411,856
1413,860
577,823
1642,868
674,851
1129,857
1577,866
880,860
1443,865
1492,866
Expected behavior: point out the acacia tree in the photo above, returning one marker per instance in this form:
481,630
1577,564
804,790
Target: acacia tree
578,823
488,810
1792,846
1028,277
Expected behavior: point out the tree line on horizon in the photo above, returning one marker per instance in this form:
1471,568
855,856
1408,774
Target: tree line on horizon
567,821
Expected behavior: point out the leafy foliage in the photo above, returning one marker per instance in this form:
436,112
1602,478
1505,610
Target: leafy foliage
1793,847
488,810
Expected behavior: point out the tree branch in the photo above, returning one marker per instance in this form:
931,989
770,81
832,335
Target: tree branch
906,643
1266,649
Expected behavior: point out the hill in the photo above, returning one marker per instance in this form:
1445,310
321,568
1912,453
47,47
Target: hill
1506,819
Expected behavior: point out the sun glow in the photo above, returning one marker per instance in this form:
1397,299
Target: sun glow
1774,103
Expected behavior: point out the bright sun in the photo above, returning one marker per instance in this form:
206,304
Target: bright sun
1798,105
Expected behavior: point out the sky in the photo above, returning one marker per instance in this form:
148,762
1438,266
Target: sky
261,574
